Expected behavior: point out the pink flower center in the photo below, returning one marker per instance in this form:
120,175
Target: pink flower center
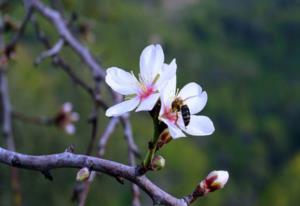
145,92
171,116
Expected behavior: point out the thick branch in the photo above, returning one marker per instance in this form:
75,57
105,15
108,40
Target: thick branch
44,163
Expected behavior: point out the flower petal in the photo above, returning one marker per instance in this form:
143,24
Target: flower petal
151,61
199,126
168,71
148,103
70,129
167,94
175,131
122,107
194,97
67,107
190,90
121,81
197,103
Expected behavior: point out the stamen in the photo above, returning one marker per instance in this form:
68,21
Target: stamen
155,79
128,97
177,91
140,78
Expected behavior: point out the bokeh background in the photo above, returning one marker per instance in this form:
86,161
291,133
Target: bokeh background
244,53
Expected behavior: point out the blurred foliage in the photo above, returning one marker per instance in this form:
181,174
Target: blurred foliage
245,54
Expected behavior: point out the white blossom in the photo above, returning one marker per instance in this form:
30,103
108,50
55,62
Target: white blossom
195,99
216,180
67,117
140,94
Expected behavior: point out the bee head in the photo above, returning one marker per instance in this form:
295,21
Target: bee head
176,104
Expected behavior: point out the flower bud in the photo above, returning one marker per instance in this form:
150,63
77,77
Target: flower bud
215,180
66,117
164,138
83,174
158,163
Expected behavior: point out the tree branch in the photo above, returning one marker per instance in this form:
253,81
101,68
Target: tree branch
132,151
45,163
10,47
7,125
42,120
50,52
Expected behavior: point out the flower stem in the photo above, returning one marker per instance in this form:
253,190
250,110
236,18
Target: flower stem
151,148
158,129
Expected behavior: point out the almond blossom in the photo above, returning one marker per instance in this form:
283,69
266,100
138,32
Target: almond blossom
66,118
140,94
195,99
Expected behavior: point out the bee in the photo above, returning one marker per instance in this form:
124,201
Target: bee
179,106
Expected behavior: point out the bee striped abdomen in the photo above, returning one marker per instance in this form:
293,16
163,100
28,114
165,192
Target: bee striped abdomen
186,115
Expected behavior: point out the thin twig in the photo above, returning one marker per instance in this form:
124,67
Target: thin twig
110,128
128,135
132,151
7,126
11,46
51,52
34,120
94,122
8,136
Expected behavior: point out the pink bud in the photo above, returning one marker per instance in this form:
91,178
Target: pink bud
215,180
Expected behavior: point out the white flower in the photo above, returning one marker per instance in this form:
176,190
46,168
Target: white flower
142,94
195,99
215,180
66,118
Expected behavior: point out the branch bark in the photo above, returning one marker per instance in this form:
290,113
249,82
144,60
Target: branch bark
45,163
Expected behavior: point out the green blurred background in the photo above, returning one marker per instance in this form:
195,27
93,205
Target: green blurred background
244,53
